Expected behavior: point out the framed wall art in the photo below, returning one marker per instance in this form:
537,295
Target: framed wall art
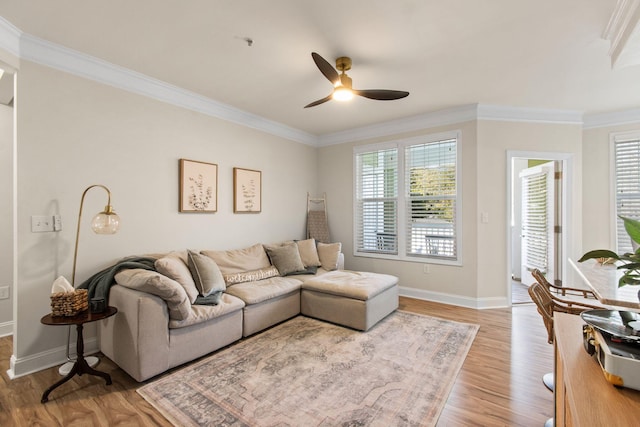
198,186
247,191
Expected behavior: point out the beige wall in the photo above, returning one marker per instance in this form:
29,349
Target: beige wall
336,178
74,132
495,139
483,279
597,208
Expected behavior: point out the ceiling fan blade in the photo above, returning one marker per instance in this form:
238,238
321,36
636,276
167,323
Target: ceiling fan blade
381,94
319,101
326,69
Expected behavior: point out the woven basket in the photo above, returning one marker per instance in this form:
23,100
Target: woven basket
69,303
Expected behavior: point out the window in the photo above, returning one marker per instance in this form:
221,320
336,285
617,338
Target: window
407,200
626,159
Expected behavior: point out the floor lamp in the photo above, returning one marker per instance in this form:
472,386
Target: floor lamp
105,222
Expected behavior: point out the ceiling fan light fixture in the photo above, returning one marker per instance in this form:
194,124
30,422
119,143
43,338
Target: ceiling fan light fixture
342,93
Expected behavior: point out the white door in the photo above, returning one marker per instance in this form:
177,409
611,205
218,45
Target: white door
538,222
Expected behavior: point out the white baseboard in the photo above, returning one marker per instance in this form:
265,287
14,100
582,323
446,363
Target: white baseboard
19,367
461,301
6,328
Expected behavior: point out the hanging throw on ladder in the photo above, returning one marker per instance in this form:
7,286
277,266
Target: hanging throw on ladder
317,224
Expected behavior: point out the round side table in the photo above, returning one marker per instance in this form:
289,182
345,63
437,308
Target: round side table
80,366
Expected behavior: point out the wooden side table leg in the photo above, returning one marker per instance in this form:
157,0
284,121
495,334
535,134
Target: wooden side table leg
45,395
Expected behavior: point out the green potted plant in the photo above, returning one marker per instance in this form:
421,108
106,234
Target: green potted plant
630,260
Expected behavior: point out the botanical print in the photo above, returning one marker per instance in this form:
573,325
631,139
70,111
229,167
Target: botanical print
248,195
247,191
198,186
200,197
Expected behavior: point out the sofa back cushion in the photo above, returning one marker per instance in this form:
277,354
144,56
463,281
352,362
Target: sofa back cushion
240,260
157,284
174,266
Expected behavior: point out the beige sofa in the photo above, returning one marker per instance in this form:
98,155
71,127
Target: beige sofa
161,322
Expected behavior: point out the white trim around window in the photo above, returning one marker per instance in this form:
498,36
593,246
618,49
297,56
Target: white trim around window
408,199
625,184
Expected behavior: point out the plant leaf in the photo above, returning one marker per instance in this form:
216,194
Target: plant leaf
599,253
632,226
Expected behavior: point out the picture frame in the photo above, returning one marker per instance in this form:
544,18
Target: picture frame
247,191
198,186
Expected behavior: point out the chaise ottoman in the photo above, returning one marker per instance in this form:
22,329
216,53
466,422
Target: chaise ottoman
354,299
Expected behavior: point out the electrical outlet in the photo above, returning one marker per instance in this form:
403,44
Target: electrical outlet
4,292
426,269
41,223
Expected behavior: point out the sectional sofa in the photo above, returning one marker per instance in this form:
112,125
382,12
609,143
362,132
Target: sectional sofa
194,303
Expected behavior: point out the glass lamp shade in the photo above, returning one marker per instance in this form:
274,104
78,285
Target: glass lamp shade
106,222
342,93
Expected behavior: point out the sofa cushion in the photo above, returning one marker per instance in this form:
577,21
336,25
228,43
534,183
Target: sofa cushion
308,252
285,257
202,313
240,260
206,274
329,253
174,266
157,284
351,284
262,290
250,276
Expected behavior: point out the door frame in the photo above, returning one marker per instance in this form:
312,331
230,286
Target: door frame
566,209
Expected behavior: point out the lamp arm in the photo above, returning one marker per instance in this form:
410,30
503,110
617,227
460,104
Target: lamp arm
75,252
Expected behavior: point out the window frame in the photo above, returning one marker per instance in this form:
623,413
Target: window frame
616,223
403,198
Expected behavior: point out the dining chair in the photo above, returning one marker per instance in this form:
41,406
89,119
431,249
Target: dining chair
562,290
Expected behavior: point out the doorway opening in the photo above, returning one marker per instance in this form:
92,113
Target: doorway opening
538,203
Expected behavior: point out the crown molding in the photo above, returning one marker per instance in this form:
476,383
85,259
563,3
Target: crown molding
28,47
614,118
533,115
433,119
623,33
451,116
9,37
55,56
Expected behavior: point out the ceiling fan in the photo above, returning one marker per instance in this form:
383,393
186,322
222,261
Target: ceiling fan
342,83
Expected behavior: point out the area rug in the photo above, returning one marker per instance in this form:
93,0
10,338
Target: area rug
306,372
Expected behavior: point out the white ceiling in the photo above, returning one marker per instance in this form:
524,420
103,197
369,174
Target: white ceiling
524,53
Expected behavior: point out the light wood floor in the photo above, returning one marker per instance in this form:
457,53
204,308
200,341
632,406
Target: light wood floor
499,384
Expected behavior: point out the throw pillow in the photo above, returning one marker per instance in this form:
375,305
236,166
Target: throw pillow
329,253
250,276
159,285
240,260
206,273
308,252
175,267
285,257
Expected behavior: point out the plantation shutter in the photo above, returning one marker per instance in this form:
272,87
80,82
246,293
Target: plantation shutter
377,201
627,191
535,221
431,192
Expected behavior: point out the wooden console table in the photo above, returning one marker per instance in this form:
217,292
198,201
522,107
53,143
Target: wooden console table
80,366
583,397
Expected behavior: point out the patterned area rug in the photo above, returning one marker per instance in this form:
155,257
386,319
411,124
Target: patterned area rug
306,372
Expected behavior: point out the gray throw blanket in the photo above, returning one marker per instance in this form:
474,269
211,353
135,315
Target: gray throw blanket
99,285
